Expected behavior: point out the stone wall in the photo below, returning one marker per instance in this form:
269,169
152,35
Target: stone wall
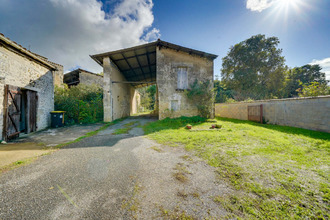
135,101
311,113
116,96
168,62
90,79
58,74
17,70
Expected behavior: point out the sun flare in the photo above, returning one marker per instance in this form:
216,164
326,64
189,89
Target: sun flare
289,9
288,2
295,5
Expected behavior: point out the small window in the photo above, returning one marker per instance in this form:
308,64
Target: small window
182,78
174,105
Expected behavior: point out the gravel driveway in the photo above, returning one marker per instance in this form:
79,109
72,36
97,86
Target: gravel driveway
110,176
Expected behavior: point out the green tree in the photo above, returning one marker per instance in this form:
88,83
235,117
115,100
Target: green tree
254,68
148,97
303,76
151,90
221,93
313,89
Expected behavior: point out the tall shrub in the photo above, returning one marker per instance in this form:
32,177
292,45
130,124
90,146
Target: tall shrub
82,103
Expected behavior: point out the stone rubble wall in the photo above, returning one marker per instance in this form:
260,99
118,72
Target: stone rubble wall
58,75
20,71
168,62
90,79
310,113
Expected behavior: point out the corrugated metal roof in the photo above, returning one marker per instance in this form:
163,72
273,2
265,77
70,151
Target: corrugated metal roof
139,63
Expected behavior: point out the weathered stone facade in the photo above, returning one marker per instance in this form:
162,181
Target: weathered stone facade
58,74
89,79
168,62
19,67
311,113
78,76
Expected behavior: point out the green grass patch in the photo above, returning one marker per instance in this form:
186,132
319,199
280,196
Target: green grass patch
175,214
275,171
159,150
126,128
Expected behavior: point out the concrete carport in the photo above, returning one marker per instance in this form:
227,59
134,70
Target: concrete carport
172,67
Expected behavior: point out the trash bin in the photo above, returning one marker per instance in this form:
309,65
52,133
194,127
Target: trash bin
57,119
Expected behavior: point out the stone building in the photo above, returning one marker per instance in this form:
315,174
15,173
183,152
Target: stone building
26,89
57,74
171,67
78,76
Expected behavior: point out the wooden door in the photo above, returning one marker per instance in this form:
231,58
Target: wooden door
31,114
12,112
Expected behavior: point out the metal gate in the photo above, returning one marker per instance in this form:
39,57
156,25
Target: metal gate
255,113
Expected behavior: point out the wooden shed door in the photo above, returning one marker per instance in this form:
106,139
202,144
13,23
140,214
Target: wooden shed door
31,114
12,112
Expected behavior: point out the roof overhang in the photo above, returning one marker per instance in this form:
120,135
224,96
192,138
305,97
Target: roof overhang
138,64
22,50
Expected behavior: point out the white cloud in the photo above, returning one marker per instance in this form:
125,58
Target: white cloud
259,5
152,35
325,64
68,31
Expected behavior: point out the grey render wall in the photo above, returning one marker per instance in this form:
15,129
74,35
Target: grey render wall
20,71
168,62
310,113
90,79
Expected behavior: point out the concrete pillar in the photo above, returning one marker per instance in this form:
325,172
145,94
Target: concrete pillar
107,87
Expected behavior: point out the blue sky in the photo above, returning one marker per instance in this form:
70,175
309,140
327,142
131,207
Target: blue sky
215,26
68,31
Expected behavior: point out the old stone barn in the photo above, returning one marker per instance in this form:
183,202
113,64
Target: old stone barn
80,76
26,89
171,67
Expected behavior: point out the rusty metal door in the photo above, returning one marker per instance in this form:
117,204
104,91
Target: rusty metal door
12,112
255,113
32,100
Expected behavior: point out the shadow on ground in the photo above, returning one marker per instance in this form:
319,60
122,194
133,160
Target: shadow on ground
41,142
283,129
109,139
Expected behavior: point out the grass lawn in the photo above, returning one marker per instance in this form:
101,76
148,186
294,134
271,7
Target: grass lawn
274,171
